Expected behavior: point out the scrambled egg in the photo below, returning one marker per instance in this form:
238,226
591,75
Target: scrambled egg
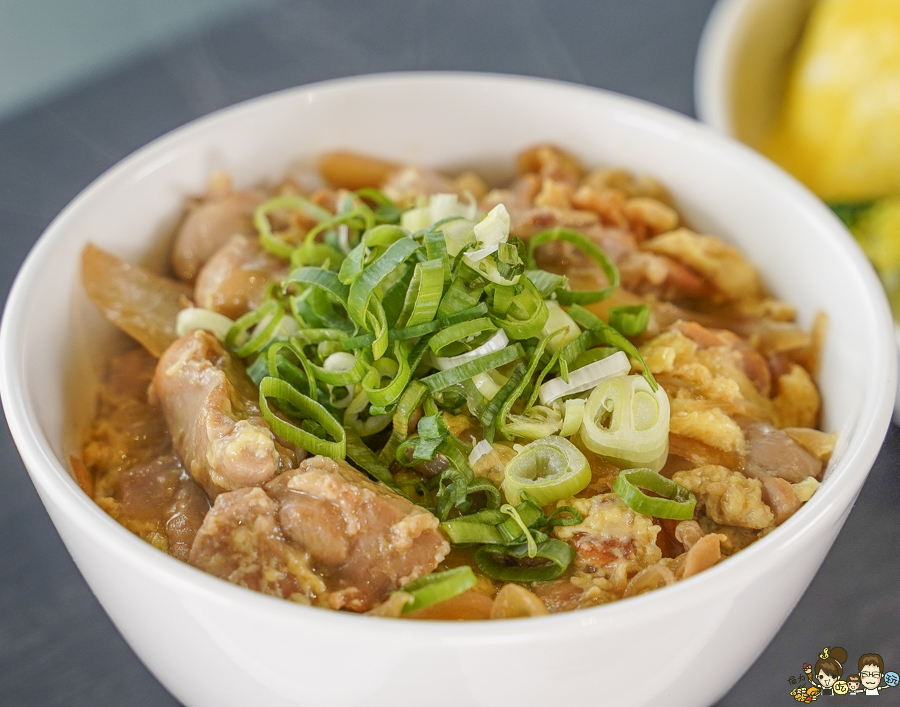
730,497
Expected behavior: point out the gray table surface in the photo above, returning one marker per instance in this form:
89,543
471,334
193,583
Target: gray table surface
57,646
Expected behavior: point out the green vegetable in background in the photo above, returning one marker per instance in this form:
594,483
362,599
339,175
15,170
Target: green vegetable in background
876,227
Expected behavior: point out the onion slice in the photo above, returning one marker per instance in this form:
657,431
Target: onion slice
586,377
548,469
627,423
479,450
497,342
191,318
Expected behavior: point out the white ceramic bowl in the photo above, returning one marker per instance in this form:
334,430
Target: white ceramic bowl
743,61
212,643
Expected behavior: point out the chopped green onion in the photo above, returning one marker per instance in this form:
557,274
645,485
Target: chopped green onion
519,389
479,450
490,526
264,322
608,335
191,318
364,427
424,294
409,402
489,269
559,320
497,342
497,405
370,278
384,396
267,238
340,368
488,384
529,538
630,320
677,502
490,232
440,207
419,330
548,469
464,292
526,315
437,587
592,250
536,423
444,379
461,332
572,417
582,379
558,554
325,280
307,407
627,423
460,477
546,282
362,456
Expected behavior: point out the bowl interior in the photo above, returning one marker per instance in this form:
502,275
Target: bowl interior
450,122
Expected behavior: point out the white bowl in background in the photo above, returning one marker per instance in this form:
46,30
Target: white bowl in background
743,60
212,643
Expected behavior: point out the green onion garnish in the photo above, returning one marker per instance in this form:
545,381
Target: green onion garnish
627,423
592,250
437,587
677,502
548,469
391,316
558,555
281,390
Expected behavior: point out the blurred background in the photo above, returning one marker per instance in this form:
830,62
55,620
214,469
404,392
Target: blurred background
49,46
83,83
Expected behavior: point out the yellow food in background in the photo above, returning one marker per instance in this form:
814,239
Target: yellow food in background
839,128
839,132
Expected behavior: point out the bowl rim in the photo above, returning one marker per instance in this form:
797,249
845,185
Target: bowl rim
713,63
53,480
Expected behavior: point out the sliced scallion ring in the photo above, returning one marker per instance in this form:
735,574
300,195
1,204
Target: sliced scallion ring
548,469
592,250
438,586
192,318
627,423
490,232
340,368
460,334
677,502
488,384
558,319
282,390
572,416
557,553
538,422
292,202
264,322
364,427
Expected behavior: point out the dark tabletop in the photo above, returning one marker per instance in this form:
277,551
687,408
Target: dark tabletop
57,647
